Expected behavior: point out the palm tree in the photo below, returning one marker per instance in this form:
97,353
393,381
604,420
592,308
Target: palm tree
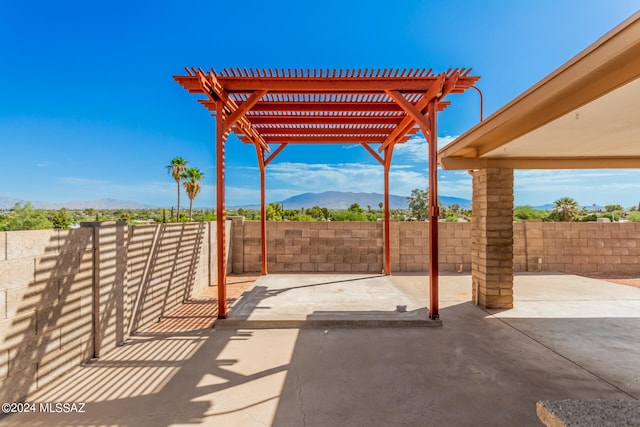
567,208
176,168
192,178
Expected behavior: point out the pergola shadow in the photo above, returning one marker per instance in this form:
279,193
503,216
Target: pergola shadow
365,376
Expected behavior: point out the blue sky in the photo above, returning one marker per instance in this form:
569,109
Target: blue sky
89,109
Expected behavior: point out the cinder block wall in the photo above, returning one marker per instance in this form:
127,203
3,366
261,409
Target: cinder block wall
67,296
349,246
315,247
454,248
166,265
46,282
328,246
577,247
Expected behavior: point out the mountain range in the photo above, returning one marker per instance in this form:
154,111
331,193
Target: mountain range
327,199
342,200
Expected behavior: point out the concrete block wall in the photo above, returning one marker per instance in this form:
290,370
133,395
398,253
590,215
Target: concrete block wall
314,247
109,284
67,296
413,246
347,246
166,265
46,301
577,247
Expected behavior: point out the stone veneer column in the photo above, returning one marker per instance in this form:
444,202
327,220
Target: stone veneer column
492,238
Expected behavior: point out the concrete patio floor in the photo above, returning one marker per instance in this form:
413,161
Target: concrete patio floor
568,337
327,300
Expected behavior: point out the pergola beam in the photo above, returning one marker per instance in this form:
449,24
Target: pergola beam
274,154
323,131
314,106
207,84
243,108
373,153
329,85
407,123
324,119
328,140
410,109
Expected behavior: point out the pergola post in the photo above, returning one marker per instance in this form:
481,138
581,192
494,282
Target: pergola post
263,209
387,220
434,209
386,164
220,212
429,125
263,161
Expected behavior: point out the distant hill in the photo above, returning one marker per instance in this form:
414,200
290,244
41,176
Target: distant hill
8,202
342,200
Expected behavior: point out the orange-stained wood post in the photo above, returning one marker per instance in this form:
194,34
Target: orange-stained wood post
387,220
263,209
434,210
220,213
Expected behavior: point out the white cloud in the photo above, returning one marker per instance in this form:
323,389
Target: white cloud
289,179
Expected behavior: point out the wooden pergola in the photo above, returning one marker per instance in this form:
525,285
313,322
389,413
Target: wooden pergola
278,107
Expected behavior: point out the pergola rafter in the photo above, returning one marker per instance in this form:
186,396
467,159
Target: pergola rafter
327,106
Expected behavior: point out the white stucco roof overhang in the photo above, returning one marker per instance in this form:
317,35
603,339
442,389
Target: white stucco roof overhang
584,115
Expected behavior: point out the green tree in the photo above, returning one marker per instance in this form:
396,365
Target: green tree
349,215
634,216
61,220
192,178
566,209
274,212
176,168
124,216
527,212
25,217
315,212
419,204
613,208
381,205
163,215
355,207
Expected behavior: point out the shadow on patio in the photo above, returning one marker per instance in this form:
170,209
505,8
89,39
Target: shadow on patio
480,368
